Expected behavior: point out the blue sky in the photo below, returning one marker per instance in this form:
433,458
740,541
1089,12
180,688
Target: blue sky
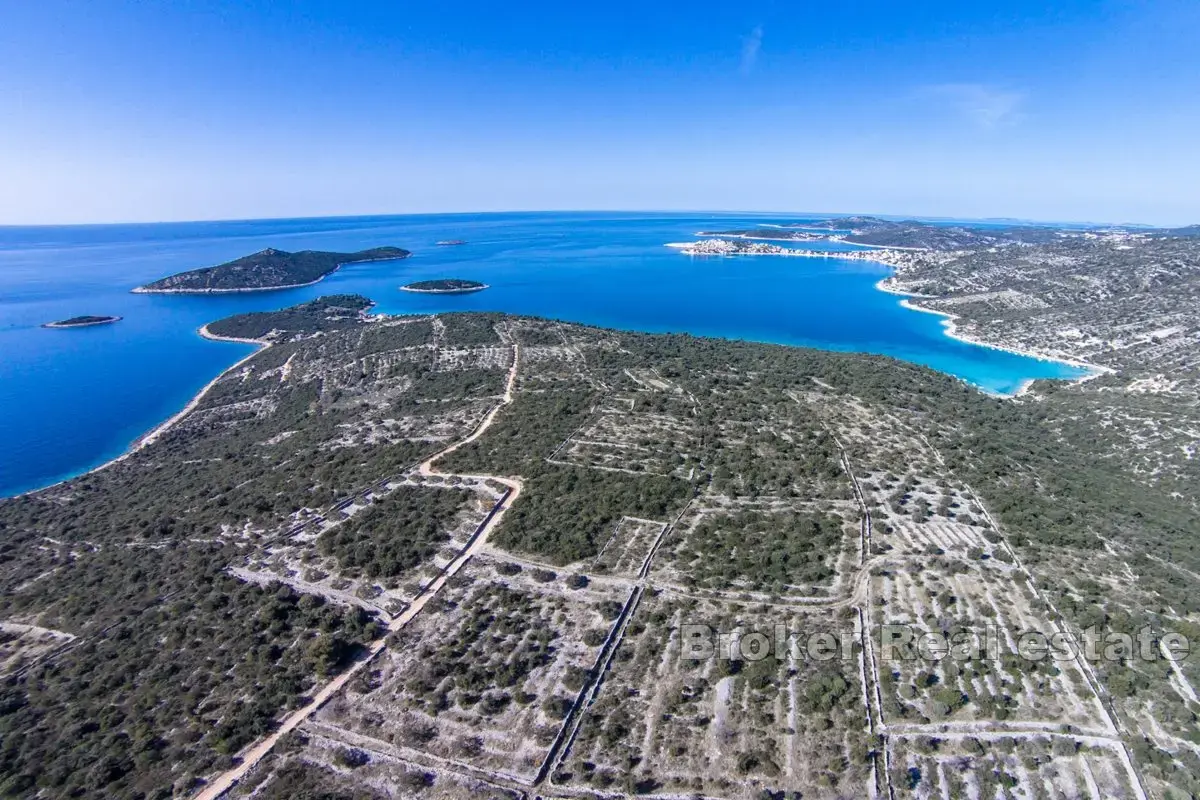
122,111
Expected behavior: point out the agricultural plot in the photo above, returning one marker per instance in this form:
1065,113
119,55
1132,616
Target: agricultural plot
998,767
984,605
619,438
651,379
670,719
454,358
396,334
468,329
410,422
531,334
375,379
936,536
792,457
1159,696
484,677
778,551
629,546
549,367
875,438
382,549
919,498
551,359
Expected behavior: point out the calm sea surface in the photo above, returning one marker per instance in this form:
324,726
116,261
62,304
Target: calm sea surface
72,399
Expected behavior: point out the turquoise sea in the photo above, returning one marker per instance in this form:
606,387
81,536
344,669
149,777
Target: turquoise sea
73,399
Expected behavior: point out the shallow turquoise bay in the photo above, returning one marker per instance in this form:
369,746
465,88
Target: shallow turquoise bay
73,399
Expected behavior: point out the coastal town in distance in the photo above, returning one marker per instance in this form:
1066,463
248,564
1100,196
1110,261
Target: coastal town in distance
623,401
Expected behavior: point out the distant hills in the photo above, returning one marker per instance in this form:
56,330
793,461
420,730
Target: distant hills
910,233
265,270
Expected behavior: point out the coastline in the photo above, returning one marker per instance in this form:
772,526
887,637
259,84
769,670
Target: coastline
949,320
205,333
154,434
146,290
157,431
950,328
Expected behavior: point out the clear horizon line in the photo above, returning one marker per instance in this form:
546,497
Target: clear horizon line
744,212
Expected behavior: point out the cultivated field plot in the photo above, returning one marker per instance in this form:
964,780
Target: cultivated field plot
919,498
381,550
782,550
905,537
651,379
531,333
992,602
550,358
551,366
1001,767
383,375
497,358
486,674
469,329
390,423
649,442
377,370
398,335
665,722
874,438
627,549
792,457
1158,696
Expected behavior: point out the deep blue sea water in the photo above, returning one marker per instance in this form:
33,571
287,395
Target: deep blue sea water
73,399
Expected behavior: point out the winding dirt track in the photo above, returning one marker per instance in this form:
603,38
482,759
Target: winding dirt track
255,753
